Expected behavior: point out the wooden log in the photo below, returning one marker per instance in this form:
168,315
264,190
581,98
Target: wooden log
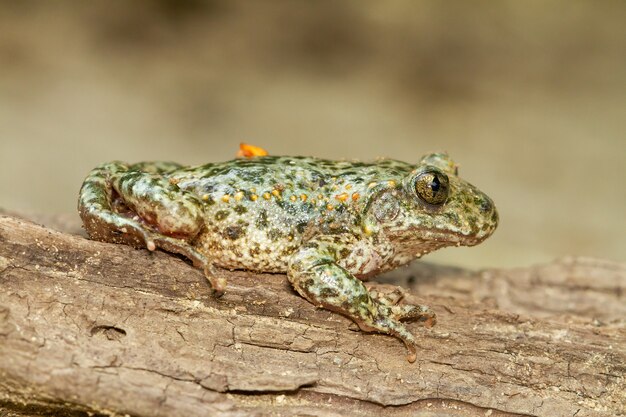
89,327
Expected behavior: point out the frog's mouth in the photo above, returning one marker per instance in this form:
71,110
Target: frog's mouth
420,238
460,238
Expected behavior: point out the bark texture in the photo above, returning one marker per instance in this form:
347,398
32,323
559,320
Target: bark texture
89,327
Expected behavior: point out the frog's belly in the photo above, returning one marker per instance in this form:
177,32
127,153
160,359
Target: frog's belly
234,249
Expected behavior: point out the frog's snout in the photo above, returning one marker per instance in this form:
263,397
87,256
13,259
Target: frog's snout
488,219
488,209
486,205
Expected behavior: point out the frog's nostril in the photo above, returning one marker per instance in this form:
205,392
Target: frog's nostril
486,205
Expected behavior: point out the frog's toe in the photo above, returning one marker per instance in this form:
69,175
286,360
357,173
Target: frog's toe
150,245
134,230
411,356
217,283
410,312
393,327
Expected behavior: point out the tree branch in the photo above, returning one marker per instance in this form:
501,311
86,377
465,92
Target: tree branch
93,327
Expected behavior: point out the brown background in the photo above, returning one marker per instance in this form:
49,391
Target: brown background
529,97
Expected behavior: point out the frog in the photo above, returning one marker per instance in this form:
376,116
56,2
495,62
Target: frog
329,225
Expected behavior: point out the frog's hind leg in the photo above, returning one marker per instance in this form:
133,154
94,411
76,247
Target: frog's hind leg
138,206
100,213
315,274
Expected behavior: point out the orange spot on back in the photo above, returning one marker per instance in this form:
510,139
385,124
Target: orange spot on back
250,151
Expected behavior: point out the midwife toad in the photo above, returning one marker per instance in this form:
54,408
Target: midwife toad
327,224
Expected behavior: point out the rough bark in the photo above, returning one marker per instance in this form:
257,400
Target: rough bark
88,327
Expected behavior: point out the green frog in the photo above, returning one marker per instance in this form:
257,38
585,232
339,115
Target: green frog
327,224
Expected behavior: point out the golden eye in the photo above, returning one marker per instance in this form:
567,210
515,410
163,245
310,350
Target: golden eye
432,187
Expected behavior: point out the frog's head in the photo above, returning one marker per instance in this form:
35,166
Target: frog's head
431,208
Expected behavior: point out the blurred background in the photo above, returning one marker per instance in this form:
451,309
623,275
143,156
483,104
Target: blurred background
528,97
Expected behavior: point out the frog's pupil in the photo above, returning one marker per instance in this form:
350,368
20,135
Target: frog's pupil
435,184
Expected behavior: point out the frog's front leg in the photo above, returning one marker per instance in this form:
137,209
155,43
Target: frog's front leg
316,274
138,205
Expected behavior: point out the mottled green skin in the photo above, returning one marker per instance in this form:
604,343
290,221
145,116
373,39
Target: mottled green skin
322,222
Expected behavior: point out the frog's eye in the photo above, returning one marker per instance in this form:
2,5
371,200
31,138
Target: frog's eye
432,187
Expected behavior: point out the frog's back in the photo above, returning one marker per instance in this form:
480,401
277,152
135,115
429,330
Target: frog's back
258,210
300,173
